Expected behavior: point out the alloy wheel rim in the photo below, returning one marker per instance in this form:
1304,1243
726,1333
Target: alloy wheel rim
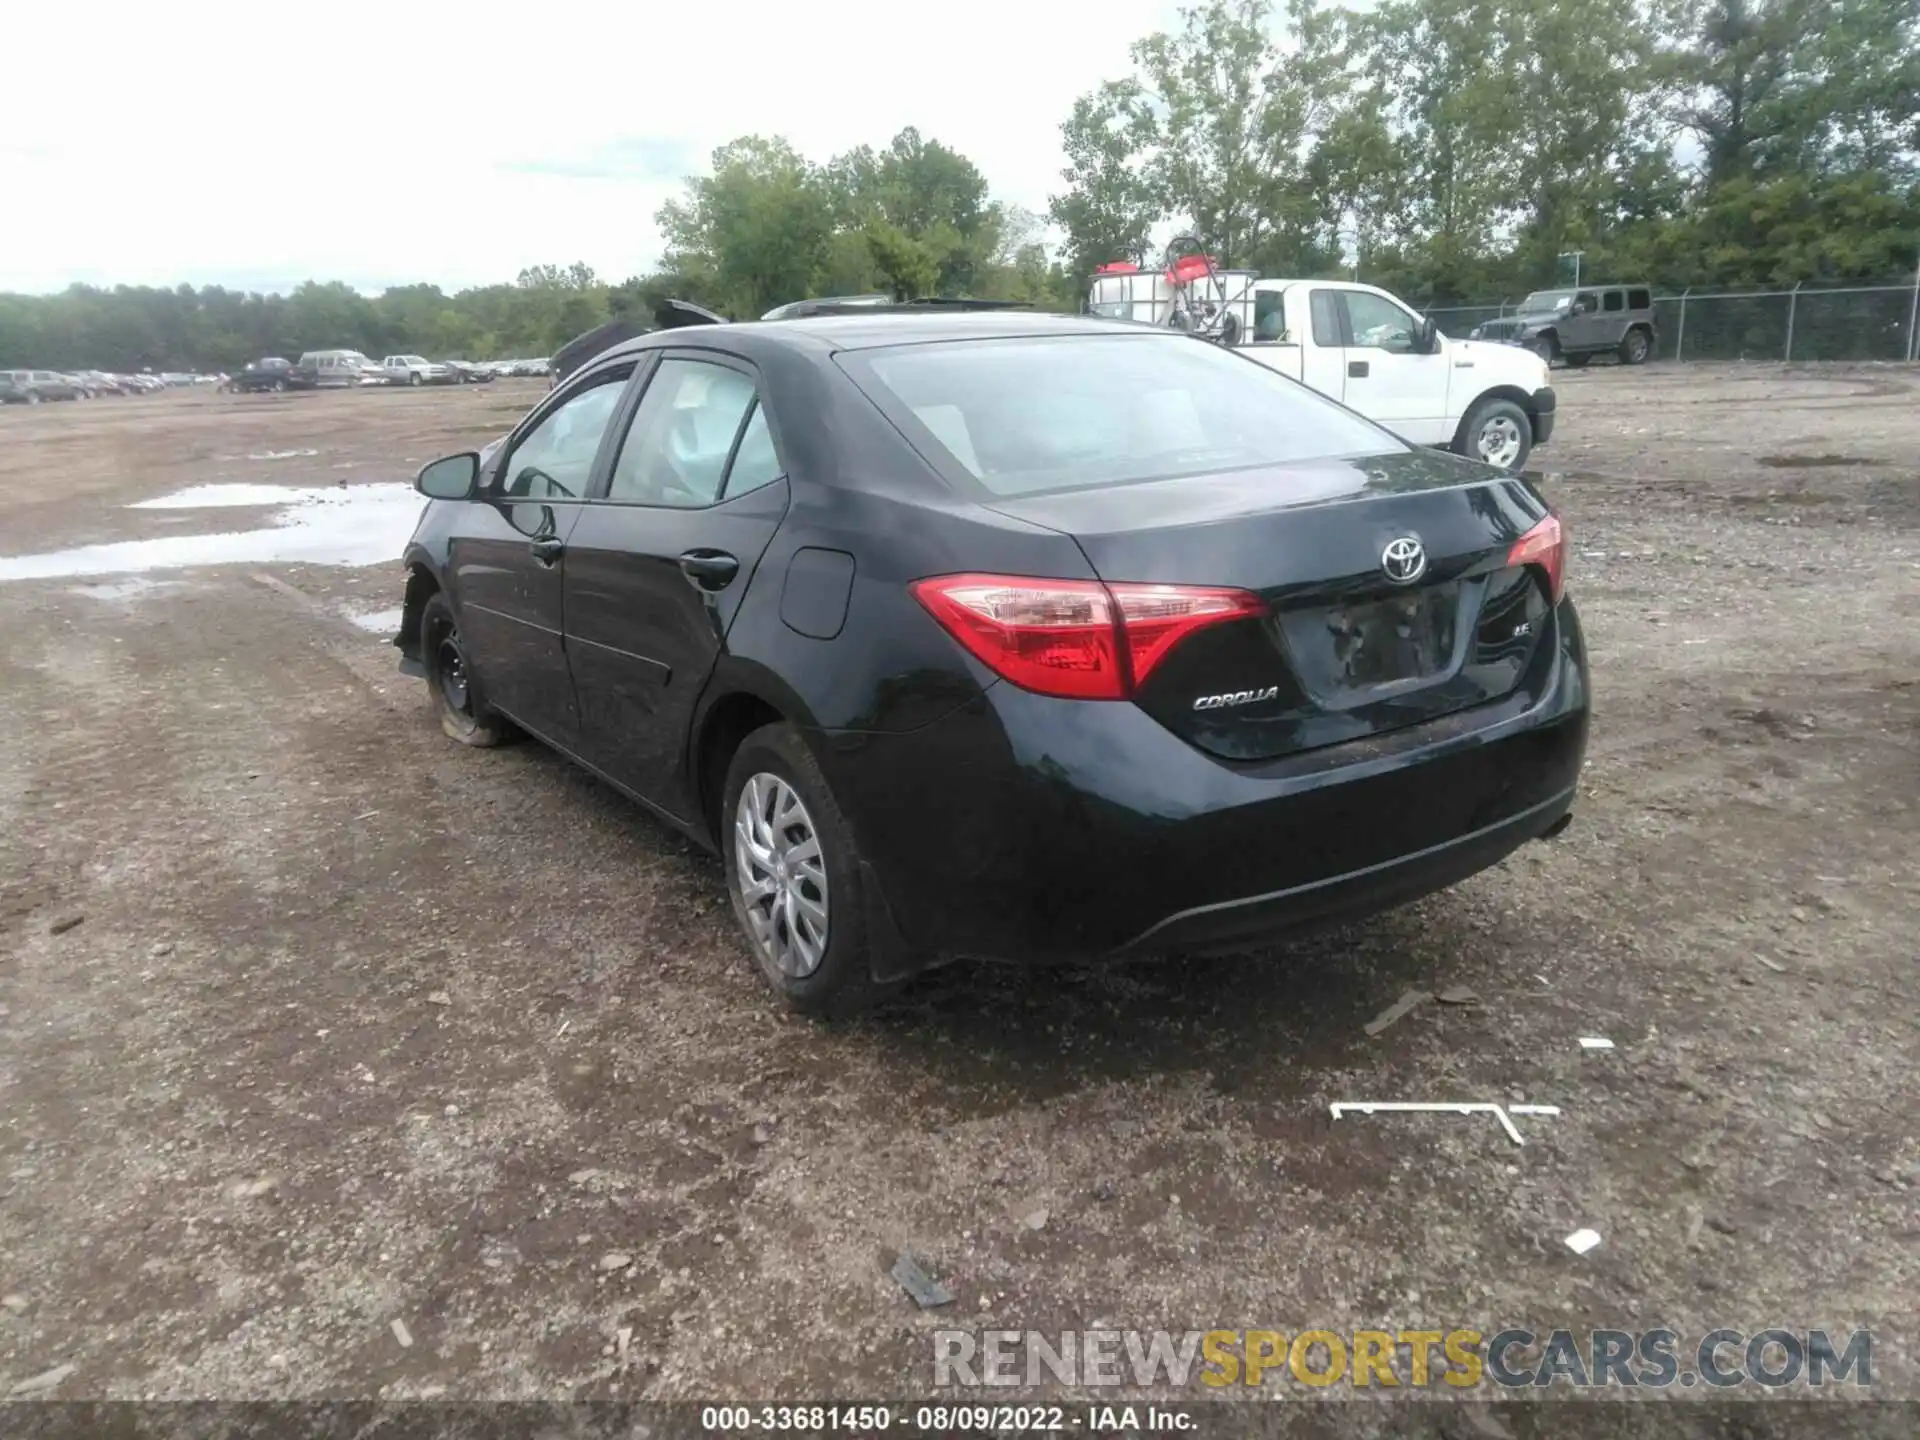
782,874
1500,441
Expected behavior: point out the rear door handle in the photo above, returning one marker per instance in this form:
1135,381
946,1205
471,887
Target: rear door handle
1357,369
545,552
709,569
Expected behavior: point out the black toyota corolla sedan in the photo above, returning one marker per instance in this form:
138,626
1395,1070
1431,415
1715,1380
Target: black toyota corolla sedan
1006,635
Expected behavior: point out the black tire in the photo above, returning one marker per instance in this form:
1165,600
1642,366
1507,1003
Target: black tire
278,386
413,377
841,981
1578,362
1545,347
1489,412
1635,347
456,698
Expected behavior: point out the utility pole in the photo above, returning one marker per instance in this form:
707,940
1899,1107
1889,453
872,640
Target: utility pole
1573,255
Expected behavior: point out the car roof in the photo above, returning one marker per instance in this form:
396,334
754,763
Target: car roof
881,326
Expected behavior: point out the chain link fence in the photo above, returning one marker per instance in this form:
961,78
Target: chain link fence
1808,322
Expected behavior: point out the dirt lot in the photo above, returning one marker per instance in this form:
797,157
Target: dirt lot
358,1027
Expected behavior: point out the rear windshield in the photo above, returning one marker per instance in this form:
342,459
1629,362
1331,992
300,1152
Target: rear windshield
1027,416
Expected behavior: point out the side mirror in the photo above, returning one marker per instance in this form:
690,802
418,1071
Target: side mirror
1426,339
453,477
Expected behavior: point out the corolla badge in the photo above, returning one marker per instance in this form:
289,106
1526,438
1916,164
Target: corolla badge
1404,560
1235,697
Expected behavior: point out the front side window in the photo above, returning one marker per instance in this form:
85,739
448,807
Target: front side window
682,436
554,460
1029,415
1379,324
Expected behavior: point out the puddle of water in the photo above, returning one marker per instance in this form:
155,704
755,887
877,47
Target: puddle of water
351,526
213,497
122,589
383,622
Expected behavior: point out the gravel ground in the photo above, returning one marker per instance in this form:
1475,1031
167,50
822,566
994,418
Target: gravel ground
337,1060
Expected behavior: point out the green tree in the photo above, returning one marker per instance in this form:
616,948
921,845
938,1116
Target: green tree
757,228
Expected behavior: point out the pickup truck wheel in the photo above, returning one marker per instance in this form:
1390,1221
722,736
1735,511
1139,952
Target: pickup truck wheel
1635,348
413,377
1499,433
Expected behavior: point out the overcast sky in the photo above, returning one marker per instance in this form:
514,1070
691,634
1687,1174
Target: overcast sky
260,145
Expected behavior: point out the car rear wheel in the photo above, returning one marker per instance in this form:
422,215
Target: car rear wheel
451,687
1635,348
33,397
279,385
1498,432
794,876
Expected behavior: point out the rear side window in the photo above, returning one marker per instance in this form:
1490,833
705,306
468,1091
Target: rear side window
1326,318
1613,300
1639,299
1031,415
682,436
1269,316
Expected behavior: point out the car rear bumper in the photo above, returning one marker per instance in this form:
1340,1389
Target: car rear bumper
1024,828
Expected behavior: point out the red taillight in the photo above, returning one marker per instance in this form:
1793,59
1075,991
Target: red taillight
1545,545
1074,638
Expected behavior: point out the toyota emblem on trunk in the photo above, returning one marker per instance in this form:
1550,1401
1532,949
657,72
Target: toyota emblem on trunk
1404,560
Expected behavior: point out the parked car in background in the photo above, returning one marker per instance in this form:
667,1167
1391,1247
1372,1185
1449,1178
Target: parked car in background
12,391
1357,344
273,372
341,369
531,367
1007,635
1575,325
466,372
415,370
42,385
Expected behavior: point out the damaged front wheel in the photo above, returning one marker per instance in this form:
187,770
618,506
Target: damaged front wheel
451,685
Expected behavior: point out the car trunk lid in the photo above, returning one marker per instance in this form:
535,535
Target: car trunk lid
1339,648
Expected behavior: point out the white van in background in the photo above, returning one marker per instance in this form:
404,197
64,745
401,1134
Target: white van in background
341,369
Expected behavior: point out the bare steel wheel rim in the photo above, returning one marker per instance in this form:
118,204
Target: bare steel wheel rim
451,664
782,874
1499,441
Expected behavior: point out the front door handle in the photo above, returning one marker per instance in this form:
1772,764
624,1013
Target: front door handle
545,552
709,569
1356,369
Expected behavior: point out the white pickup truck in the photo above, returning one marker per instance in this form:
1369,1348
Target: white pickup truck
415,370
1362,347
